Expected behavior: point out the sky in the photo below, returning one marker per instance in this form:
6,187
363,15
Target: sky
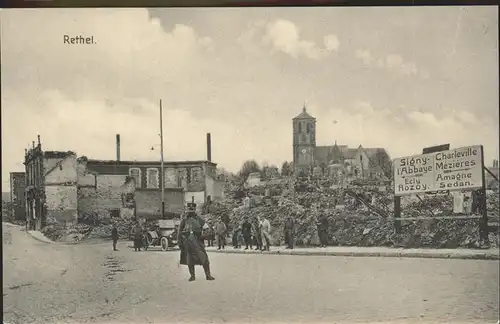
402,78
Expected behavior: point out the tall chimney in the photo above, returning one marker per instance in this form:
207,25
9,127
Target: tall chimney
117,147
209,148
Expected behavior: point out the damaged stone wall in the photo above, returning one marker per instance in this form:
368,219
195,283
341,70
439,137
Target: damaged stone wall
190,178
117,196
103,191
61,190
61,202
102,199
214,188
148,202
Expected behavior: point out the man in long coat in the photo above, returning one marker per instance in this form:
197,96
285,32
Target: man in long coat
323,229
220,231
266,233
192,245
137,237
114,236
289,232
256,228
246,229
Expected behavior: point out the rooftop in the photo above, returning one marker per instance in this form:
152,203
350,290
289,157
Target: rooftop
57,154
114,162
372,151
304,114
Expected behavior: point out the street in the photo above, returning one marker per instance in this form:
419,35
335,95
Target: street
48,283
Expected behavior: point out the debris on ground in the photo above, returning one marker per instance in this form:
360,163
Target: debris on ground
80,232
359,215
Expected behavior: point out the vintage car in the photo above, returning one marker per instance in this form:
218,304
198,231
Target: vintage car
163,234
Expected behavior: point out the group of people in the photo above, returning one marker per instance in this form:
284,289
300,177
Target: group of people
215,233
249,233
258,233
138,233
193,231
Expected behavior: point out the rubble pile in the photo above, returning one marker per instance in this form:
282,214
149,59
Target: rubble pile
53,232
493,205
439,205
9,216
123,226
80,232
358,215
365,219
58,232
76,233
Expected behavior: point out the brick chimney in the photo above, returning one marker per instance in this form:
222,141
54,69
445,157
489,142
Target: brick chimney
209,148
117,147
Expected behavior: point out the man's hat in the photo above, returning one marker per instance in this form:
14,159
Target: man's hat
191,207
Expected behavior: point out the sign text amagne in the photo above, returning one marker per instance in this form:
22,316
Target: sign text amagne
455,169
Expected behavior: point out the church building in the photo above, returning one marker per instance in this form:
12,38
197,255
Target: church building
335,160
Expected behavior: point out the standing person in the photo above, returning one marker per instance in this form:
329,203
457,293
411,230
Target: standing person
225,219
191,243
257,234
246,229
220,231
114,236
236,234
323,230
289,232
137,237
266,234
210,234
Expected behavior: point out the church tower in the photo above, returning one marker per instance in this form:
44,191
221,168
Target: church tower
304,140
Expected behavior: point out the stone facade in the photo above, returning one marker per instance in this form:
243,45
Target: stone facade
148,203
51,187
117,196
64,189
60,184
103,198
35,188
183,180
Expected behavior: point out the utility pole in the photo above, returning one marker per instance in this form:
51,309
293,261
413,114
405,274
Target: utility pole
162,175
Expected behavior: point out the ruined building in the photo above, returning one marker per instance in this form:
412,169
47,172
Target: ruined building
64,189
51,187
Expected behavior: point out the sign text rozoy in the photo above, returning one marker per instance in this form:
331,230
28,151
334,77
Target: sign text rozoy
454,169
